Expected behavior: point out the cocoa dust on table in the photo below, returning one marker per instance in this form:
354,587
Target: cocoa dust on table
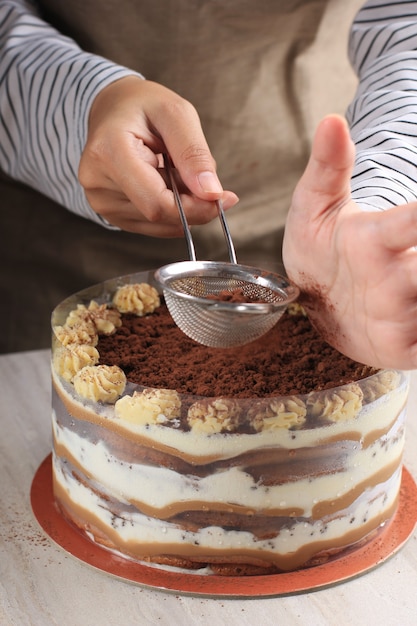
291,358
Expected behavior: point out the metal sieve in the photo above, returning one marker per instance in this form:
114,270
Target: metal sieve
194,292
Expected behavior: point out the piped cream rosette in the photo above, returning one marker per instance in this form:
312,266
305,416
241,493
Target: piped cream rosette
76,357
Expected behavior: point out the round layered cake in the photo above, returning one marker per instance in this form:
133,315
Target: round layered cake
266,458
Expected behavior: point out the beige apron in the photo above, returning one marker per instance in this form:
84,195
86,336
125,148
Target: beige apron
261,74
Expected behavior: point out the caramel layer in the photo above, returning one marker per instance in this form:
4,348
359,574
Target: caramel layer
267,466
81,413
320,510
376,434
330,507
126,442
368,439
177,508
106,535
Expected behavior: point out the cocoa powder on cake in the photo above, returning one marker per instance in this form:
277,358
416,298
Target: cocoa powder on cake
292,358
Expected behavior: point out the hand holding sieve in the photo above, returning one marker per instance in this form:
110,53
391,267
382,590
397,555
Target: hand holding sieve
194,292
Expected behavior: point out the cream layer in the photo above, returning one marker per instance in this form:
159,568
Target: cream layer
197,448
160,489
140,536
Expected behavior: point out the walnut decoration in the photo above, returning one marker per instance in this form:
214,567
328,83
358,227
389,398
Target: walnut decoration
216,415
380,384
336,405
276,413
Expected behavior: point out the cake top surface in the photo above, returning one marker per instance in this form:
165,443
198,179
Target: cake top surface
291,358
128,352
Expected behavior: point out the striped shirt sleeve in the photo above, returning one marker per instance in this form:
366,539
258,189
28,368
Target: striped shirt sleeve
383,114
47,86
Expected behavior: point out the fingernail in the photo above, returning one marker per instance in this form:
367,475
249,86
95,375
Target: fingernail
209,182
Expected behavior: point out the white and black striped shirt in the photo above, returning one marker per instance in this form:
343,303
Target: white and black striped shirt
46,76
383,115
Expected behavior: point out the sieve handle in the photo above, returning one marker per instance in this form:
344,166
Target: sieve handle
186,228
226,231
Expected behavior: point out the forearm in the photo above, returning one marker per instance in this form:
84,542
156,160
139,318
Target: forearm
48,85
383,115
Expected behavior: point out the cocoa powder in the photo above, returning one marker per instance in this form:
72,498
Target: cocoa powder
292,358
234,295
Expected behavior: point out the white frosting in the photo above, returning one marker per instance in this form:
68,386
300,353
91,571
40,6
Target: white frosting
145,530
160,487
374,416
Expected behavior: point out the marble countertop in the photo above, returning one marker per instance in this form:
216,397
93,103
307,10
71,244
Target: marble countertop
41,584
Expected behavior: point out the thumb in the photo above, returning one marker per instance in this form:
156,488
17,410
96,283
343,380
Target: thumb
198,170
179,127
177,123
326,180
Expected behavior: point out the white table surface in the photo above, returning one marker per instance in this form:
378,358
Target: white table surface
40,584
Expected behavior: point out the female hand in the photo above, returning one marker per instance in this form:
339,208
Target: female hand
132,122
